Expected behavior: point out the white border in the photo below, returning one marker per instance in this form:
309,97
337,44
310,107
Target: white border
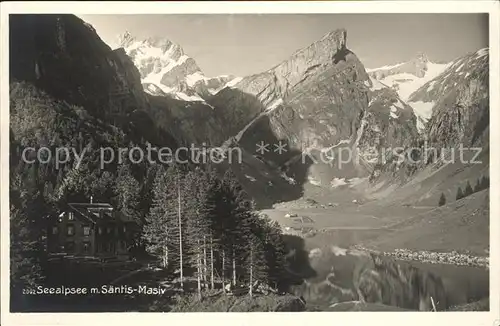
491,318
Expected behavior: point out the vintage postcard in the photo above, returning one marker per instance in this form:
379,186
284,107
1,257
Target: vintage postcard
264,157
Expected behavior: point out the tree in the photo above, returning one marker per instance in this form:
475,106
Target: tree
211,200
208,225
460,194
164,229
127,193
197,224
477,187
25,250
157,232
180,228
442,200
275,251
468,190
485,182
255,262
27,254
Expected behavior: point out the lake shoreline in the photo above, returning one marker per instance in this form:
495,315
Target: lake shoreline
431,257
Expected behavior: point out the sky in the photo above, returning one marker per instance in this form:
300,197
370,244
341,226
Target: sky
244,44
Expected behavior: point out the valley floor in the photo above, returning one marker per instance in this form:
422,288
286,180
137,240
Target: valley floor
461,227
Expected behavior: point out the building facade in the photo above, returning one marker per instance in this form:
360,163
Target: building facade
91,229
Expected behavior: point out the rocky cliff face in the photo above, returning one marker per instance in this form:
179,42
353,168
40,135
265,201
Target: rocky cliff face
166,70
322,102
458,105
318,102
406,78
459,98
305,63
65,57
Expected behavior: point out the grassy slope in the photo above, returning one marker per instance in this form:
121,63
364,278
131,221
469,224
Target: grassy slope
462,226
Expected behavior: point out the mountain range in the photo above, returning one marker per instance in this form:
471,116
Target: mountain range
332,152
320,100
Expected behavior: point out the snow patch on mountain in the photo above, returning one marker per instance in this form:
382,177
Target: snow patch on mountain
274,105
192,79
189,98
384,67
423,112
406,78
406,84
376,85
233,82
456,74
337,182
163,64
482,52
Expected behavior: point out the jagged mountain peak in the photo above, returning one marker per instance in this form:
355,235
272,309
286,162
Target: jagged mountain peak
314,59
322,50
455,76
407,77
421,56
124,39
339,36
167,70
127,39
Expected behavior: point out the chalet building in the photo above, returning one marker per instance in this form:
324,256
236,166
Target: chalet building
91,229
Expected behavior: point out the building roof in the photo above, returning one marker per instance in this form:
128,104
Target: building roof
97,211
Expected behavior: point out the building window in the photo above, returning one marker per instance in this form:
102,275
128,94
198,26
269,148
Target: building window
71,230
100,230
109,230
71,217
86,247
86,230
124,229
55,229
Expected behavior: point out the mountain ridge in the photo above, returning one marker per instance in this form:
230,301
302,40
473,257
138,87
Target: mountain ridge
166,70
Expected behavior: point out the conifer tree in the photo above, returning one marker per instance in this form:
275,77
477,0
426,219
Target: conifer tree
485,182
164,229
442,200
26,244
468,190
275,252
460,194
255,262
212,198
127,193
158,229
197,223
477,187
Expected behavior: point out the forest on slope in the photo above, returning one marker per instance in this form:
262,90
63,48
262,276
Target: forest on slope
195,222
